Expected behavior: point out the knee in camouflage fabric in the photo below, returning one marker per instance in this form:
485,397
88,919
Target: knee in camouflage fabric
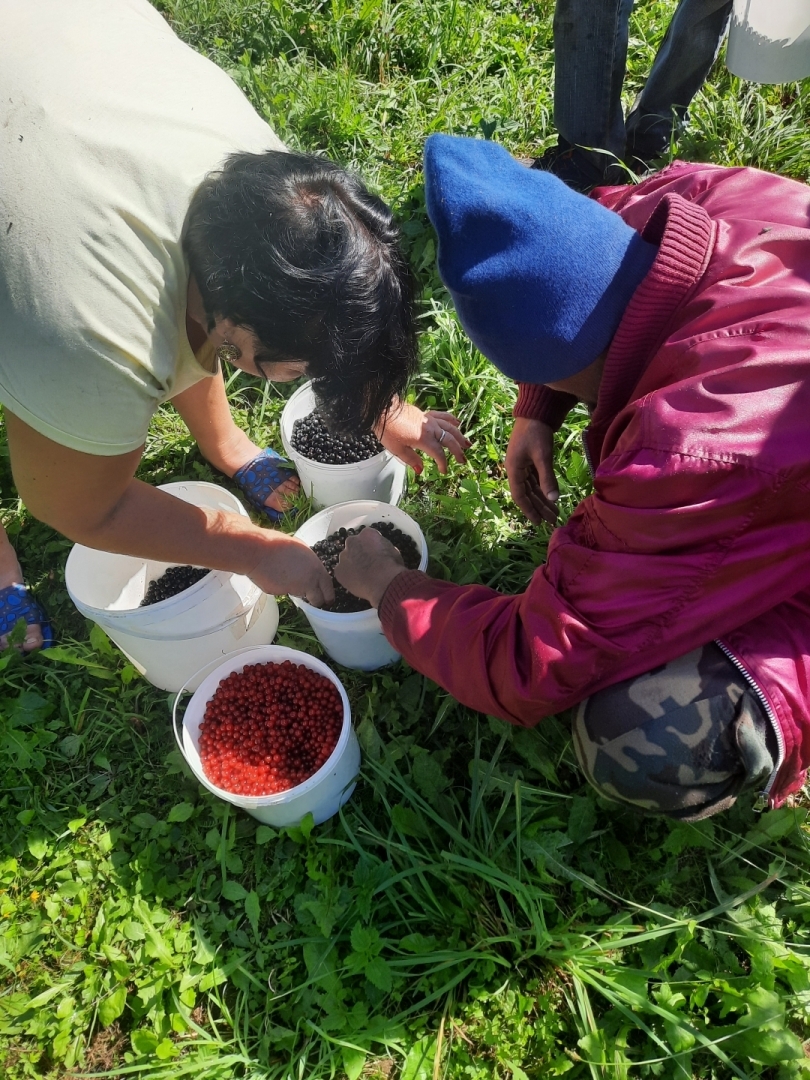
684,740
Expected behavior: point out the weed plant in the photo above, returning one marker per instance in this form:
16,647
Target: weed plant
475,911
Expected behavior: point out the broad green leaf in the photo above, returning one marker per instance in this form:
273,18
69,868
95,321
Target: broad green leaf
768,1047
21,747
100,641
38,845
65,1007
582,818
428,777
365,940
61,654
418,943
264,834
166,1049
777,823
353,1062
682,837
617,853
181,812
253,910
28,708
378,972
515,1069
113,1005
143,1041
144,821
408,821
418,1064
232,890
71,745
765,1009
133,931
678,1037
530,745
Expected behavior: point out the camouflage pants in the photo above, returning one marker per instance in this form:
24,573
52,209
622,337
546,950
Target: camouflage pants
684,740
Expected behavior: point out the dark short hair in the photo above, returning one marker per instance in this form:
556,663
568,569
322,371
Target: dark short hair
297,250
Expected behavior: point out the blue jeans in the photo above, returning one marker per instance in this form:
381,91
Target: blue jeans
590,53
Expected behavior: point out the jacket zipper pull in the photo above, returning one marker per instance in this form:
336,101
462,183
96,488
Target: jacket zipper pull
762,802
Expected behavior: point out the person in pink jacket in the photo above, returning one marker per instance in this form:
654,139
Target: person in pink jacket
674,607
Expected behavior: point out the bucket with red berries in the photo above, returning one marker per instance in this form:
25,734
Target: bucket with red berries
270,730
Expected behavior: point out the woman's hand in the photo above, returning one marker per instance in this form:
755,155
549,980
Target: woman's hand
530,469
291,567
408,429
367,565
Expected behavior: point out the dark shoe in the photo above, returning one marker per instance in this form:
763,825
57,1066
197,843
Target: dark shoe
576,168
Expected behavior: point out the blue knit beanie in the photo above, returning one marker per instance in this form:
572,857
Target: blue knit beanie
540,275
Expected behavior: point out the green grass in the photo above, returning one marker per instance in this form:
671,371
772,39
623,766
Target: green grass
475,912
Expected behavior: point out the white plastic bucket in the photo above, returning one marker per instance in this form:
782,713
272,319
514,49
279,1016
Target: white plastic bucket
381,477
323,793
769,40
169,642
355,639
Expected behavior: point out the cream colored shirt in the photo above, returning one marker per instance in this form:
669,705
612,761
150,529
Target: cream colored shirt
108,123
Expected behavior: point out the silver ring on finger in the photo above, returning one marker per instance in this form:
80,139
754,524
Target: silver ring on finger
441,437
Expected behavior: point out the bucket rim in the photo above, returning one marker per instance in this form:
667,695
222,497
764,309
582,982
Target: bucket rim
155,616
280,798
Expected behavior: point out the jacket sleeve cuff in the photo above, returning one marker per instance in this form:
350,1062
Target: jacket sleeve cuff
538,402
409,585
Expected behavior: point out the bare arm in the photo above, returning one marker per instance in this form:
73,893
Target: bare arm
96,501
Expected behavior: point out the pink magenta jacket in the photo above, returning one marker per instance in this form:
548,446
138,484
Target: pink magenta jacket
698,527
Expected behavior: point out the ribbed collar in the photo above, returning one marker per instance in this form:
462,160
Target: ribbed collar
685,235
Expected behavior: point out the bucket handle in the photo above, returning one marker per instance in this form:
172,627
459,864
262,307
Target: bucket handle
177,696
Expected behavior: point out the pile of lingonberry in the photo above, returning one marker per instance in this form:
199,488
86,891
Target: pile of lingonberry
311,437
269,727
175,580
328,551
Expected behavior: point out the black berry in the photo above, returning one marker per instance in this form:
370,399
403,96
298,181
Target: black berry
329,550
175,580
312,438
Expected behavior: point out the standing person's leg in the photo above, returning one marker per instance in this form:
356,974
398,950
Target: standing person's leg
687,52
205,410
590,52
684,740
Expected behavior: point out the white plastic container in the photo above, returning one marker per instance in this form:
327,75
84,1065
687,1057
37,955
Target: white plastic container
171,641
381,477
355,639
323,793
769,40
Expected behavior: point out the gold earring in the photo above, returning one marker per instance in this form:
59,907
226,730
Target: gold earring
228,353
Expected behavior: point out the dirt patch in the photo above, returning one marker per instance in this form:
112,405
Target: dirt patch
105,1051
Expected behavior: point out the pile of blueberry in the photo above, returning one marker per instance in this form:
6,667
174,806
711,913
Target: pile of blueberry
328,551
311,437
176,580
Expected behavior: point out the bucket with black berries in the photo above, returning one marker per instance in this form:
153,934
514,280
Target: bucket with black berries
335,468
350,630
270,730
171,620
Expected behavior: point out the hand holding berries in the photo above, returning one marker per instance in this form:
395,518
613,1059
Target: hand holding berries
291,566
368,565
